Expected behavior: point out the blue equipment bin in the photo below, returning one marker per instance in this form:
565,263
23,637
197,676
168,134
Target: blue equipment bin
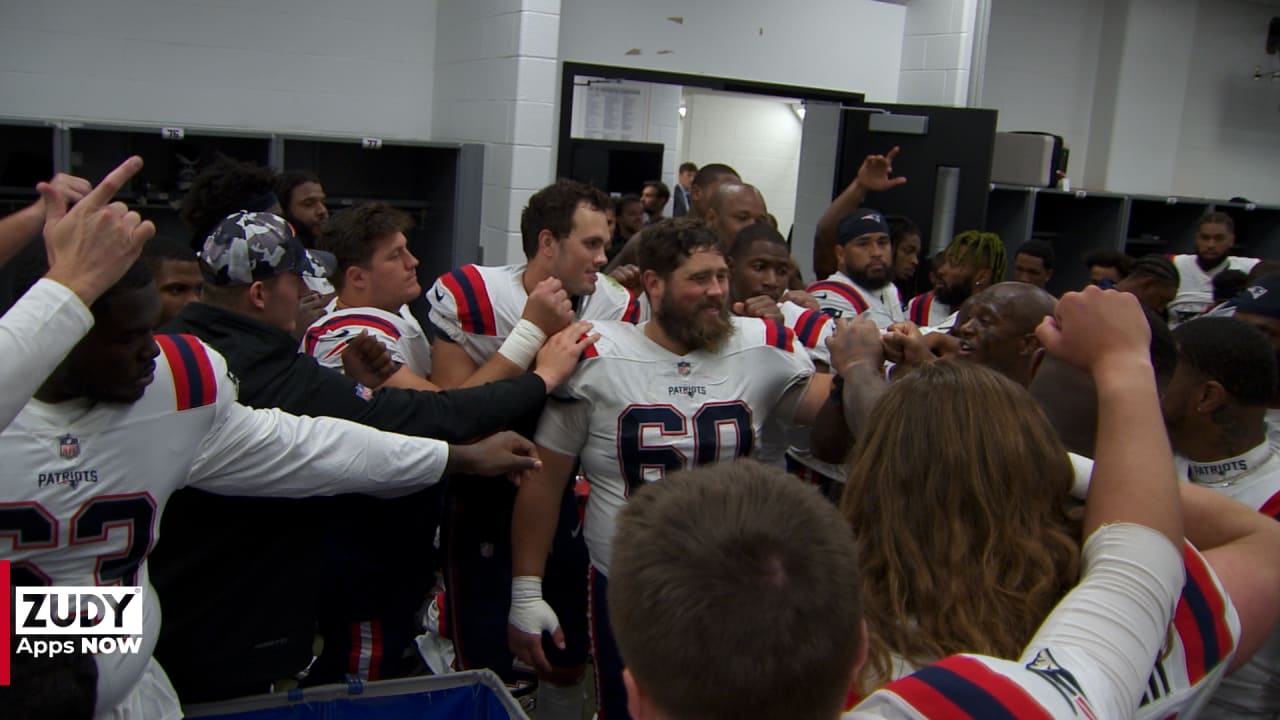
470,695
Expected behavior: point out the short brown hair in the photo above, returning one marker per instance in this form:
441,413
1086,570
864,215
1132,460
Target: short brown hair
552,208
733,592
353,234
665,245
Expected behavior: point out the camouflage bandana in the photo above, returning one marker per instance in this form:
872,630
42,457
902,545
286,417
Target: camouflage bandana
250,246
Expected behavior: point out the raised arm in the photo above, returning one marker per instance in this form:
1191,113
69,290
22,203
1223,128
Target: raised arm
873,176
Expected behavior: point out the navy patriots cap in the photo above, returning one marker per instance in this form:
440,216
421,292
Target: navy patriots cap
1261,297
862,221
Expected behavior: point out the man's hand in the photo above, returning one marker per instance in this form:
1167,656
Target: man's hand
873,174
904,344
761,306
628,276
548,307
91,245
367,361
73,188
310,310
529,617
503,453
855,341
801,298
1095,329
559,356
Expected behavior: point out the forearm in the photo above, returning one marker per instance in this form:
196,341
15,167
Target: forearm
36,334
409,380
1213,520
1133,477
850,199
533,523
863,387
18,229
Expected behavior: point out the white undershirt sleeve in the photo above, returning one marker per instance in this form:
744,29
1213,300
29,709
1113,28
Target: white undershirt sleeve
35,335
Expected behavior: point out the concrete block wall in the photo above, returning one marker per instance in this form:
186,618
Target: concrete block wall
937,52
497,83
759,137
287,65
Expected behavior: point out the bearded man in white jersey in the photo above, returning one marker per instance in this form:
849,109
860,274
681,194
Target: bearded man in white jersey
127,419
693,386
1215,236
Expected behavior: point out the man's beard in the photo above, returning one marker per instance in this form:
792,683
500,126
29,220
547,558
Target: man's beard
692,329
953,296
869,282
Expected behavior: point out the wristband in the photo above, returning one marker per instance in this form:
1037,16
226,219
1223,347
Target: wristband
523,344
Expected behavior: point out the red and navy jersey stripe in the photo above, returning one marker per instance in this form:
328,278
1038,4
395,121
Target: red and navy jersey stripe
778,335
356,319
920,309
589,351
632,314
1271,508
1200,619
809,326
475,310
845,291
193,381
961,688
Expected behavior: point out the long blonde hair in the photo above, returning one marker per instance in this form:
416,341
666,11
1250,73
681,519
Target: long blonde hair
959,501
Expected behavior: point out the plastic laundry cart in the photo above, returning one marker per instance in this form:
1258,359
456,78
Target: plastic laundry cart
470,695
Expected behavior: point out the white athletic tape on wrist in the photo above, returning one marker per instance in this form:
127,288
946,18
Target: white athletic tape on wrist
529,612
523,344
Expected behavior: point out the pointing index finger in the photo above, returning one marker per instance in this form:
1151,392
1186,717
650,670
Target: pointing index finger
112,184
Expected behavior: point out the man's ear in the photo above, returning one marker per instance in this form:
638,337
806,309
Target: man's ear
983,278
257,295
639,704
355,277
1212,397
546,240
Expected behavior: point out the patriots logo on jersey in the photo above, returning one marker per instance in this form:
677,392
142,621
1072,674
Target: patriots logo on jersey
69,447
684,368
1062,680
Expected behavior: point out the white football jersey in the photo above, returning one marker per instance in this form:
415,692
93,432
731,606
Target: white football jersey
812,328
477,306
83,484
1195,286
840,296
635,411
400,334
925,310
1253,479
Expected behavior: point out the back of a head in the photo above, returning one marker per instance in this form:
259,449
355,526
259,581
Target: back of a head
1228,283
1233,354
225,187
1069,398
1157,267
982,250
552,208
711,172
1263,268
958,495
664,246
697,558
352,235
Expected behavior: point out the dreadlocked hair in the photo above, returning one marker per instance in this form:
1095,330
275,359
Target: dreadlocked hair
983,249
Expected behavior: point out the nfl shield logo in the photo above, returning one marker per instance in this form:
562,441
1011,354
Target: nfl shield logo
68,447
364,393
683,368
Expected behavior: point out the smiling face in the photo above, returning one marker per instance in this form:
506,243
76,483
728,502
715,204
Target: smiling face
693,308
577,258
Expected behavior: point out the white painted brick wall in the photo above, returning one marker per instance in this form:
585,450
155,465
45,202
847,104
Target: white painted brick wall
286,65
758,137
851,45
937,50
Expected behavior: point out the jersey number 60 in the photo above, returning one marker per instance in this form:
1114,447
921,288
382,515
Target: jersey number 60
710,422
